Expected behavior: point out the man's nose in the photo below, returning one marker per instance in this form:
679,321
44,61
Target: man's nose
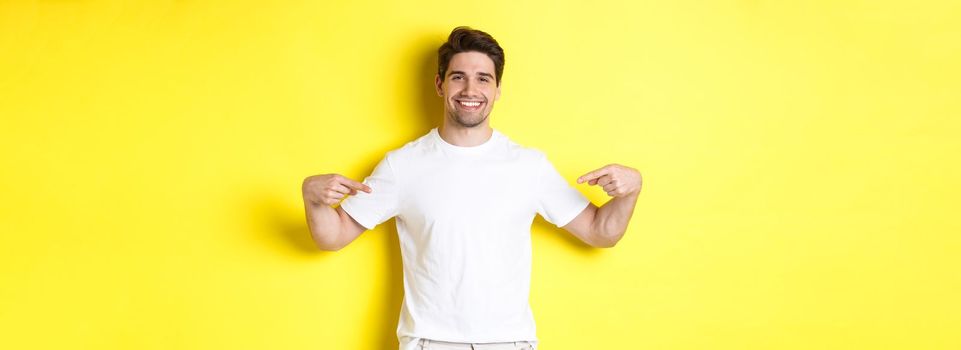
469,86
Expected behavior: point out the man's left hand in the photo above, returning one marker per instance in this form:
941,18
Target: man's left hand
617,180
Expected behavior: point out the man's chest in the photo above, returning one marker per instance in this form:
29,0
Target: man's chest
468,192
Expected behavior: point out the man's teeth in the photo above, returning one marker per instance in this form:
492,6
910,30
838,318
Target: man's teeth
469,104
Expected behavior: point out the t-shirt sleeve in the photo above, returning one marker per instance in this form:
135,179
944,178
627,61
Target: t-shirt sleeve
557,201
371,209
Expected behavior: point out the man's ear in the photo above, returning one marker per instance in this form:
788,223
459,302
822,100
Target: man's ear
438,85
497,94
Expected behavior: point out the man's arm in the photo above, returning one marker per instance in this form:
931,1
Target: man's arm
331,229
604,226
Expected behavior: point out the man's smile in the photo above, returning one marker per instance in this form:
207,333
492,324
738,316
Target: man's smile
470,105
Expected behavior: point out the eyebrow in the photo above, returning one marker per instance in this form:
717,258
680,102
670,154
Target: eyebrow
461,72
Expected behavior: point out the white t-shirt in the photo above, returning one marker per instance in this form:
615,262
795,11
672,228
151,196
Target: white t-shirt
463,219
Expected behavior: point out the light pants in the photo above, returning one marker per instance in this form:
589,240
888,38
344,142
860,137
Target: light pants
427,344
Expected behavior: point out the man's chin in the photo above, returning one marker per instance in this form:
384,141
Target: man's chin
469,123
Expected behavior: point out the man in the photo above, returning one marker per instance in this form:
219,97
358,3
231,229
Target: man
465,196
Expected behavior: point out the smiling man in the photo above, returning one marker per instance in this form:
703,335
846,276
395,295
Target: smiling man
465,197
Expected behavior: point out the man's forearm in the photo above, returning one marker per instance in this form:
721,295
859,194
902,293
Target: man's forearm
610,222
324,224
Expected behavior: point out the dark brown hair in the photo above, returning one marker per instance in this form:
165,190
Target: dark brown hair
466,39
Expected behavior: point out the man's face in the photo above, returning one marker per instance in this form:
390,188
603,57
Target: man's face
469,89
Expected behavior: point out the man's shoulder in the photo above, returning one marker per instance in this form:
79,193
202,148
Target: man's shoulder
412,148
526,152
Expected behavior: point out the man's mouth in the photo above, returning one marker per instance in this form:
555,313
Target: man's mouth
470,105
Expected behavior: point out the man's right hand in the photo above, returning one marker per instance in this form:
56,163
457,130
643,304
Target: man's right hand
330,189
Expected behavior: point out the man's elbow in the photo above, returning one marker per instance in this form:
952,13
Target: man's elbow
605,244
329,247
605,235
603,240
326,242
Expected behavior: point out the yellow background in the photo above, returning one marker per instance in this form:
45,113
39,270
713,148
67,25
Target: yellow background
800,162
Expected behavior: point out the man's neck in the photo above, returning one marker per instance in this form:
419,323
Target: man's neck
464,136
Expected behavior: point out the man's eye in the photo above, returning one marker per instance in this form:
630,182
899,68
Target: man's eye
485,80
456,77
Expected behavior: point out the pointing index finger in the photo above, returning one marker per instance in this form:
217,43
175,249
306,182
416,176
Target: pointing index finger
593,175
356,185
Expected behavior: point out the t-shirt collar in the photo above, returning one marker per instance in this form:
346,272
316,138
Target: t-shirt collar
495,135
